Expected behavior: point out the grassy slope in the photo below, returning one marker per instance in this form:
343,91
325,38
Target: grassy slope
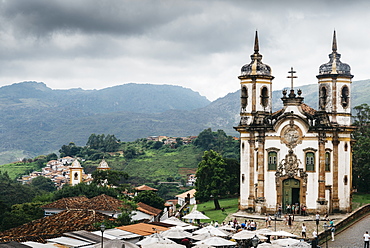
230,205
158,165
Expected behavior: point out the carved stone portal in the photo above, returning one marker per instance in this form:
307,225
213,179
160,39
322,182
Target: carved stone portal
289,168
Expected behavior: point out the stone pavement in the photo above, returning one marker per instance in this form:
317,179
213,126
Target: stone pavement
351,237
281,224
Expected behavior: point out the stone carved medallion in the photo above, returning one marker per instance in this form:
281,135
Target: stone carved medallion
291,135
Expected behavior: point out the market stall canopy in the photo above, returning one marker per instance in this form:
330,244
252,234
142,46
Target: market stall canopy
285,242
216,241
196,215
245,234
212,230
176,233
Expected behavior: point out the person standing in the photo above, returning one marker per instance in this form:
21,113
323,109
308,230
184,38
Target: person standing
304,228
290,221
366,239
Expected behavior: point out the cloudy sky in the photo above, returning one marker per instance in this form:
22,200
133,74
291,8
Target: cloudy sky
200,44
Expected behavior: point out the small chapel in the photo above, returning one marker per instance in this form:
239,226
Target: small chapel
297,155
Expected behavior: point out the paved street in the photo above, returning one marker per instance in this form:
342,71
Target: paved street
352,237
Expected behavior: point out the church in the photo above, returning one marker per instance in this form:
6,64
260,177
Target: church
297,155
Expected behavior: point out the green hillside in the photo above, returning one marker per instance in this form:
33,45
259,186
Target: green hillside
38,120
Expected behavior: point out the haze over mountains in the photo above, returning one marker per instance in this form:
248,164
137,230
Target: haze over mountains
38,120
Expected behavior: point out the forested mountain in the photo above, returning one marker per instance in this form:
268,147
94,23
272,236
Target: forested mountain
37,120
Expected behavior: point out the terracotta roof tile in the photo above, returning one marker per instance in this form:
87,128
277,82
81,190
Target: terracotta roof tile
54,226
143,229
185,194
102,202
308,109
67,203
144,187
148,209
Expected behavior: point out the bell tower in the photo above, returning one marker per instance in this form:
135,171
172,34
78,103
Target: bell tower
75,173
256,105
256,86
335,81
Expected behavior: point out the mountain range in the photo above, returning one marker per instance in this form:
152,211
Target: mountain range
36,119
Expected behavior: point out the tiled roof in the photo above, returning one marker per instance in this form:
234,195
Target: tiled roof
143,229
103,203
67,203
54,226
308,109
148,209
144,187
185,194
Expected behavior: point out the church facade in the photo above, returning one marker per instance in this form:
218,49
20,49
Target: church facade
297,155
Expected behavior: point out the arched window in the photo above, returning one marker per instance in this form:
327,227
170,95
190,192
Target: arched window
272,160
327,161
310,161
76,176
244,97
345,96
264,97
323,97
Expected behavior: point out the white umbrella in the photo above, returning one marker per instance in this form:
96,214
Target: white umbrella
212,230
160,245
116,243
227,228
202,236
203,246
216,241
264,231
154,238
247,235
285,242
268,245
301,244
174,221
195,215
282,234
176,233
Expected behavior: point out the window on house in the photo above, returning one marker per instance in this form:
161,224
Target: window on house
310,161
327,161
272,160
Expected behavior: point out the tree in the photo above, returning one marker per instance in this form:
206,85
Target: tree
51,156
69,150
150,198
21,214
212,178
108,177
43,183
361,155
127,211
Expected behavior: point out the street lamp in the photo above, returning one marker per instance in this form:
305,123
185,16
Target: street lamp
255,241
326,228
276,215
102,229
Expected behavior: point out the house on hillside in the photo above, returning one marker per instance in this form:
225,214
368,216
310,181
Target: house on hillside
187,196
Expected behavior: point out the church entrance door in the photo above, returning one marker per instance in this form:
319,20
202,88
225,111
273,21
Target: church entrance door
291,191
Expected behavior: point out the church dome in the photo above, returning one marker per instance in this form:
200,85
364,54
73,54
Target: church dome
103,165
256,67
76,164
335,66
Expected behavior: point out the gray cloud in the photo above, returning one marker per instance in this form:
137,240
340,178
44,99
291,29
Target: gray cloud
197,44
